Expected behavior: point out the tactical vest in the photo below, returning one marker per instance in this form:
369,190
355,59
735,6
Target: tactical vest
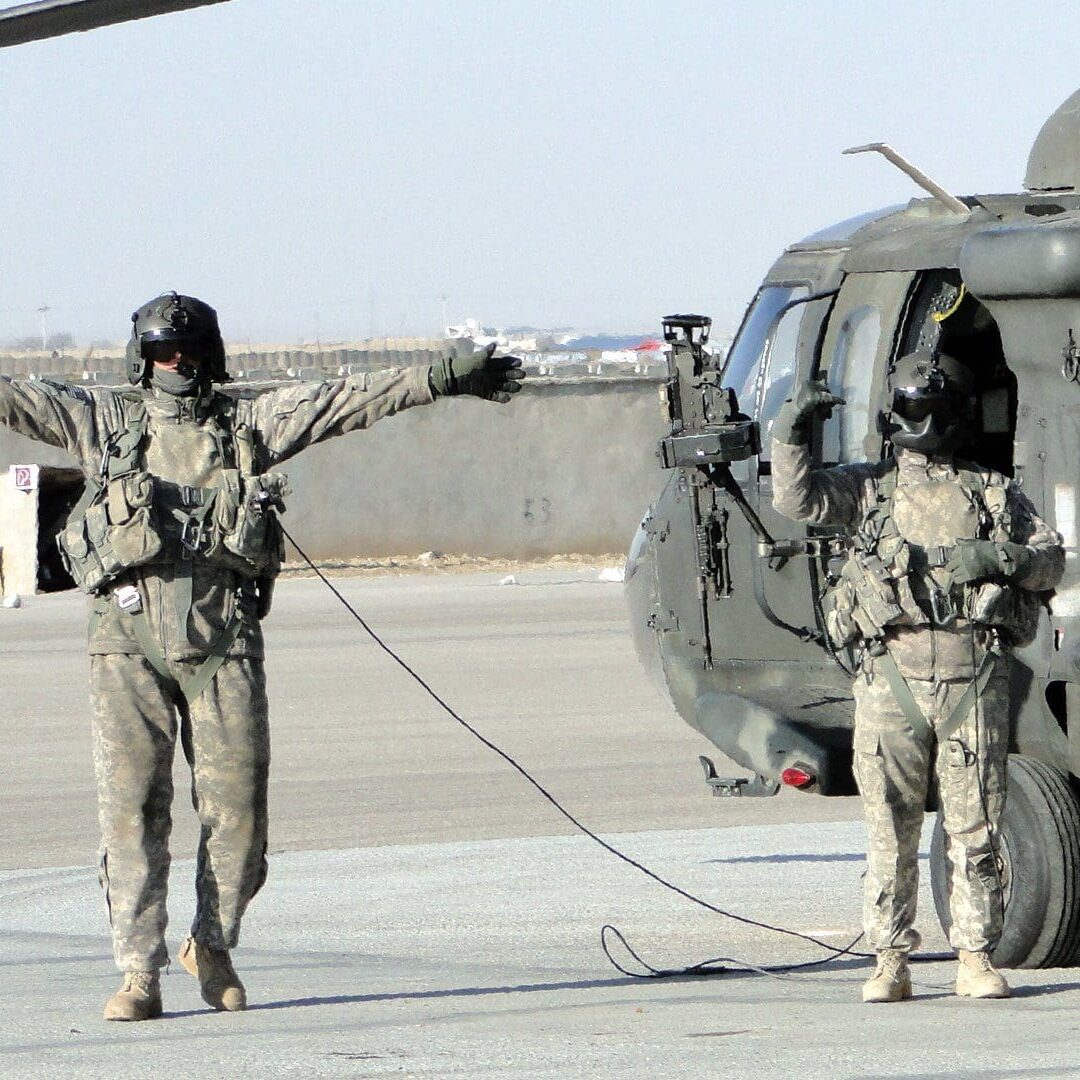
888,582
128,518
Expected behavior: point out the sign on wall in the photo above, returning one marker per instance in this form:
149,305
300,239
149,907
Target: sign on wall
25,477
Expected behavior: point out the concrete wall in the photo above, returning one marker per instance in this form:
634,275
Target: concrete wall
568,466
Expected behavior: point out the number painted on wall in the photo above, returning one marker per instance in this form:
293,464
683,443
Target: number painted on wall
537,511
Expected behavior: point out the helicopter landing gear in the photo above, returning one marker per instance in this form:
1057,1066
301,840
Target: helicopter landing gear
1039,852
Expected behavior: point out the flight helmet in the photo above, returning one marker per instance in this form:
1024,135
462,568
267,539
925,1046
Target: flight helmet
932,404
170,323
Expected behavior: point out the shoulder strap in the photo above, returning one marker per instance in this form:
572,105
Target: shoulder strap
992,492
878,515
122,452
225,431
885,485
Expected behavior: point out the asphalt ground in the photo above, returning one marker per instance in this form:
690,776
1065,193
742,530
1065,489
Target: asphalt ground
428,914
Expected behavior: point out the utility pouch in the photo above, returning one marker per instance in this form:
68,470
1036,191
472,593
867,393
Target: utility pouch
79,557
875,594
247,518
114,532
132,535
839,608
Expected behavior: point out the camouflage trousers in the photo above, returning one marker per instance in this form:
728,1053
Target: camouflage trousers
893,768
225,738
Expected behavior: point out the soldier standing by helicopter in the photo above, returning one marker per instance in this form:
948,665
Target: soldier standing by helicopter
942,579
177,543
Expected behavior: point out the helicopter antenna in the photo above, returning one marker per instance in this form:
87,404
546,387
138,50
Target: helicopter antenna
920,178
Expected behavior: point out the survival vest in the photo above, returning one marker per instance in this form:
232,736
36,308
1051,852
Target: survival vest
127,518
887,581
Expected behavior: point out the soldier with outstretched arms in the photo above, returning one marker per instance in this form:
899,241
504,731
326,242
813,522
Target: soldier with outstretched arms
946,569
176,541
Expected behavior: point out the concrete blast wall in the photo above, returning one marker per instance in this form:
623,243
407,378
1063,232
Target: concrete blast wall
568,466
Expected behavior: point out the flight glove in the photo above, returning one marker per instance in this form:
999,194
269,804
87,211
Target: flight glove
796,416
482,374
979,560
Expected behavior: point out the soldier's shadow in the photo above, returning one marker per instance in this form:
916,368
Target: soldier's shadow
844,966
1017,992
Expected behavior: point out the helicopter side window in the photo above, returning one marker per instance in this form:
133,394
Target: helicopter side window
779,373
851,375
743,369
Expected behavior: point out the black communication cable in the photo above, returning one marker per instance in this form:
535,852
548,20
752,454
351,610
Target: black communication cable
696,969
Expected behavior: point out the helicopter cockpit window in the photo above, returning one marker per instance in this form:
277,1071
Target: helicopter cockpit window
744,364
780,367
851,375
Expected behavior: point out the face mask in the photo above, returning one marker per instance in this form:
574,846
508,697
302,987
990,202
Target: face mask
184,383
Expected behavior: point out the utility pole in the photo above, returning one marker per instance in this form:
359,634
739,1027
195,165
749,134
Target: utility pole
44,310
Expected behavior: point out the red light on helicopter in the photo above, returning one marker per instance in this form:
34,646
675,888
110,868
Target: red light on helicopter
796,777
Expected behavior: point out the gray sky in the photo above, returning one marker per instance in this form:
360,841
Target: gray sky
333,167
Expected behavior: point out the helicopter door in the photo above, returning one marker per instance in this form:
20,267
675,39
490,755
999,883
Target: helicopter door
855,357
782,583
848,337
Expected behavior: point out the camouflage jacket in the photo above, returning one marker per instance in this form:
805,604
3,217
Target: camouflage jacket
182,447
931,507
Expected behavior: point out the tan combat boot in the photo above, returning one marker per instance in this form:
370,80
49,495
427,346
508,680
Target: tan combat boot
138,999
891,980
976,976
221,986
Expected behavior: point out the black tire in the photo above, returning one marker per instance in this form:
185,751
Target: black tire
1039,845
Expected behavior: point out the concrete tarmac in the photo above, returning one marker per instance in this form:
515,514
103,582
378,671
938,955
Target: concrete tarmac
428,914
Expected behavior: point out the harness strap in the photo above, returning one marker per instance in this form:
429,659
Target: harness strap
975,689
150,648
122,455
904,697
200,678
183,594
199,508
910,708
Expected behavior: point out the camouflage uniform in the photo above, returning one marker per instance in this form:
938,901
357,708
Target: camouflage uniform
190,604
932,506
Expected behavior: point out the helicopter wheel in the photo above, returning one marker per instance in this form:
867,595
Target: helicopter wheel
1039,849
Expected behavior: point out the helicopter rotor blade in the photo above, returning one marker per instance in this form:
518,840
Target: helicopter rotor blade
51,18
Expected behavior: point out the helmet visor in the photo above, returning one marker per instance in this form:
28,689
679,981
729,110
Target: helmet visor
915,405
163,346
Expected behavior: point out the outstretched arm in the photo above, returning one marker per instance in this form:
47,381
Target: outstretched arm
53,413
295,417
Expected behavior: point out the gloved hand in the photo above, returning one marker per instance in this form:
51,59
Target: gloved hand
483,374
793,421
978,560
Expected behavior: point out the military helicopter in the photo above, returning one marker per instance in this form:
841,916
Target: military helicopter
726,595
51,18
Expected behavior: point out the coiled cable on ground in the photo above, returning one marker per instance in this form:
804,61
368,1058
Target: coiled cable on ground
705,968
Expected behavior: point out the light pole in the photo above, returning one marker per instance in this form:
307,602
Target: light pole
44,309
